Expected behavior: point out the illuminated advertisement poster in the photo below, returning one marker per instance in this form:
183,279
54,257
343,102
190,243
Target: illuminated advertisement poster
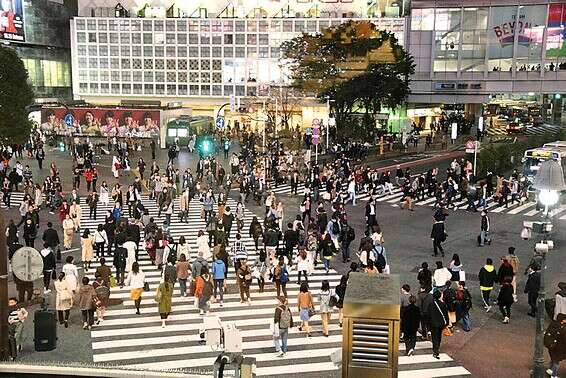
12,20
505,24
556,32
101,122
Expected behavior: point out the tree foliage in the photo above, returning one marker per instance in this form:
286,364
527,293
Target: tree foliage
15,95
356,66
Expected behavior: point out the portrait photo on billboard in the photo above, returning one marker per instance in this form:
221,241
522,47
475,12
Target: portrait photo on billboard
12,20
102,122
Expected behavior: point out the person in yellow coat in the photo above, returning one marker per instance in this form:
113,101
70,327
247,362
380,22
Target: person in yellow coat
68,230
75,212
87,248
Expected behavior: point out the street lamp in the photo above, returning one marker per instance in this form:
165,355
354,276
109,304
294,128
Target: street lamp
549,180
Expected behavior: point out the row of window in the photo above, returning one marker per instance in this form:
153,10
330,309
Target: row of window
166,89
171,38
178,51
153,76
207,25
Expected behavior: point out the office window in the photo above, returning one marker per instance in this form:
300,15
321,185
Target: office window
205,52
216,77
115,88
182,64
125,50
148,51
193,64
182,39
148,64
228,90
103,38
240,52
136,38
171,89
217,90
137,76
171,77
81,49
228,52
170,25
170,52
194,77
115,75
170,38
126,64
252,39
193,90
104,88
148,88
182,25
158,38
193,51
137,64
104,76
136,25
182,90
182,51
93,87
205,77
216,64
92,37
114,63
205,65
148,76
159,51
81,37
228,26
136,51
182,77
159,64
240,90
103,63
126,88
158,25
159,76
102,24
205,90
126,76
137,88
125,38
93,63
216,52
114,50
422,19
171,64
147,38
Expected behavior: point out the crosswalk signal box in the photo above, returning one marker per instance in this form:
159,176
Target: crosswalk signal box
371,325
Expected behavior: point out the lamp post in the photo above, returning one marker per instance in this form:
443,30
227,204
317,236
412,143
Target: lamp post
549,181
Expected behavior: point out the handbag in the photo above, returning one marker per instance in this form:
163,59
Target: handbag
192,287
158,296
97,302
333,301
112,281
311,312
146,286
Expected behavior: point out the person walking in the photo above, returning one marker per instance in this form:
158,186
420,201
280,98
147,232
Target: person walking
203,290
87,244
244,279
16,318
163,299
325,309
341,293
505,299
441,276
136,282
183,267
281,277
438,236
410,321
424,300
71,273
438,320
487,277
532,288
219,271
515,263
86,303
68,231
100,240
484,229
63,299
119,261
102,290
49,264
283,321
463,305
305,305
555,342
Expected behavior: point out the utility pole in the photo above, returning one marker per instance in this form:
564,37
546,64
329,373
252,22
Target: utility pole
4,346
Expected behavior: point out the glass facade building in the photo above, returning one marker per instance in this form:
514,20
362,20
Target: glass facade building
194,57
46,52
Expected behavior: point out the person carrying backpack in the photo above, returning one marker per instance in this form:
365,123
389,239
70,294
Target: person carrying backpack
204,290
347,236
282,321
281,277
379,257
244,279
333,229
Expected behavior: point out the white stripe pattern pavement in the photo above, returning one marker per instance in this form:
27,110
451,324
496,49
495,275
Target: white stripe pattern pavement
127,339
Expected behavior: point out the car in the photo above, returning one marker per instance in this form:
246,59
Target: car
514,127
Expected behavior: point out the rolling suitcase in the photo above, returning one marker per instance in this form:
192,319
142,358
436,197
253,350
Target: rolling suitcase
45,330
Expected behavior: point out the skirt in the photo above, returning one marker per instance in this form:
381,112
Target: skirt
136,294
164,315
304,314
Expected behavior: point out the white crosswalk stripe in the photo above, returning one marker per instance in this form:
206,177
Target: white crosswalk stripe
132,340
537,130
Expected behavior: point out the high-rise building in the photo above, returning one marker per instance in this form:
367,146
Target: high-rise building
39,31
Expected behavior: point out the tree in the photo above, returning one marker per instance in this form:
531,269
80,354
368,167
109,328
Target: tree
356,66
280,107
15,95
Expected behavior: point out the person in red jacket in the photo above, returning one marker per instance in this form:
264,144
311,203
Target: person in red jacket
64,209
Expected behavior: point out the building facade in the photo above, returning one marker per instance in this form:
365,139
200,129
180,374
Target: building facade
204,56
468,51
42,40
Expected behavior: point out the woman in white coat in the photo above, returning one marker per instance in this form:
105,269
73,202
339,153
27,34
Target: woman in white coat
63,299
71,273
104,195
202,245
131,259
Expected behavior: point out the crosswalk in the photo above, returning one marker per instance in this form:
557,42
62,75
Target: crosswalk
533,130
139,341
393,198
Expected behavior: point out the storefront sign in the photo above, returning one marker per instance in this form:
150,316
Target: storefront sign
12,20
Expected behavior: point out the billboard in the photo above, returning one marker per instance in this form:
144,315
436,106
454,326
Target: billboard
556,32
12,20
104,122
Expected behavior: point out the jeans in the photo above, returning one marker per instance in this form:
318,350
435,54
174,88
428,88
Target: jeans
352,197
120,272
466,321
554,365
482,202
436,334
345,251
219,288
281,286
88,316
183,286
326,263
484,237
281,342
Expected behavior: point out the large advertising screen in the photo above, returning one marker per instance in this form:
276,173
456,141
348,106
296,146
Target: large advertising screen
556,32
104,122
12,20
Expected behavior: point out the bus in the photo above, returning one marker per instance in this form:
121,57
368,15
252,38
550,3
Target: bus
535,156
183,128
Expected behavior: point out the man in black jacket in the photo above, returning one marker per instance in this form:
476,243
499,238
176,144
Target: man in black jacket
119,262
271,241
438,320
50,237
291,239
532,287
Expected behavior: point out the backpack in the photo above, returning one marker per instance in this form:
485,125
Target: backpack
207,290
335,228
285,320
284,275
378,257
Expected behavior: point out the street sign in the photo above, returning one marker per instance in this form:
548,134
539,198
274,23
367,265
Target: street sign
470,146
27,264
315,131
69,119
220,123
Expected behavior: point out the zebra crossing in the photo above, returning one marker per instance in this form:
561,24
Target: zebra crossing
533,130
394,198
139,341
